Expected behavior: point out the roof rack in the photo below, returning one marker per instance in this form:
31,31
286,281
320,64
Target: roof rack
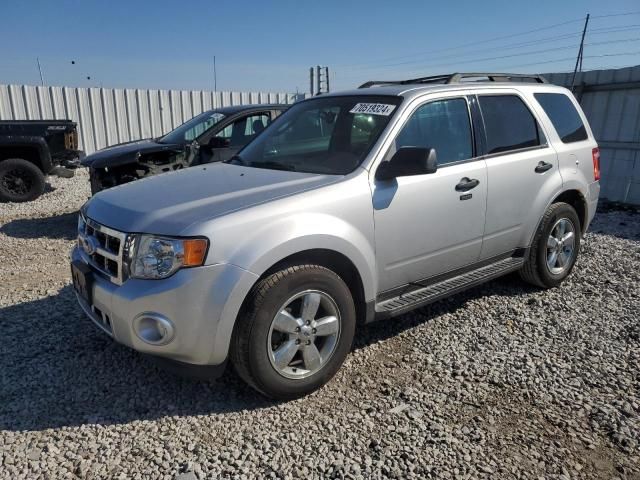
459,77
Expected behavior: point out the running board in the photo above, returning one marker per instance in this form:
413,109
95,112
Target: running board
423,295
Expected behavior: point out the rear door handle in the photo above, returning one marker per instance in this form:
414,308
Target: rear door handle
467,184
543,167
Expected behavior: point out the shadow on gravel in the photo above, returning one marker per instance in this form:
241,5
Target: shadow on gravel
57,369
617,223
56,227
507,286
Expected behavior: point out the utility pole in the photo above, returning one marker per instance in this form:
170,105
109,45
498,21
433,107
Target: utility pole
311,81
215,77
580,53
326,78
40,70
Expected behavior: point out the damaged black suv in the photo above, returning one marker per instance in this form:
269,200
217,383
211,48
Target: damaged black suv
213,136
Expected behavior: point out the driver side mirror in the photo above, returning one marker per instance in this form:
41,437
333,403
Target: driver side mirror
219,142
408,161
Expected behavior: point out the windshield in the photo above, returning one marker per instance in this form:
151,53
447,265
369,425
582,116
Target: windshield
329,135
192,129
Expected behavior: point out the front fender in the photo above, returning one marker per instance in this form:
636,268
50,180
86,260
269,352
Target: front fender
264,247
277,240
31,141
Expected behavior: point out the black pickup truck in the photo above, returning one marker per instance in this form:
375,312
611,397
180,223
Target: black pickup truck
32,149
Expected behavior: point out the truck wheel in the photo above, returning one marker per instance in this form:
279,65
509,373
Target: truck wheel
294,331
20,180
555,247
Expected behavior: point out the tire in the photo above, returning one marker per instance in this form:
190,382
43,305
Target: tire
536,269
253,351
20,180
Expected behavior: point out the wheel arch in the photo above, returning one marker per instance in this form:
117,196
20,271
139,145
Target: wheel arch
335,261
34,150
576,199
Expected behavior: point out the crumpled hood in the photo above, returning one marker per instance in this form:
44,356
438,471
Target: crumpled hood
169,203
124,153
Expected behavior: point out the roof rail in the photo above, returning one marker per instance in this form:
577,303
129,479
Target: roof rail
459,78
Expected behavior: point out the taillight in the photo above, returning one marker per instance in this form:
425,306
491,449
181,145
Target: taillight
595,153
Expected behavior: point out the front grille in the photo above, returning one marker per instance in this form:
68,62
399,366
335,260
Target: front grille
102,248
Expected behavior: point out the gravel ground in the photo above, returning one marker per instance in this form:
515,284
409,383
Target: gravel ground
503,381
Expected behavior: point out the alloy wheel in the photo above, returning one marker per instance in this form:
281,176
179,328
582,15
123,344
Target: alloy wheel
561,246
304,334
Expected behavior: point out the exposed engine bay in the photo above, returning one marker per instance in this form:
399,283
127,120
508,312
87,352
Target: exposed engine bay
145,165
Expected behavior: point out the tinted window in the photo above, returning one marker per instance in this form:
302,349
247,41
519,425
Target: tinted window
563,115
443,125
508,123
244,129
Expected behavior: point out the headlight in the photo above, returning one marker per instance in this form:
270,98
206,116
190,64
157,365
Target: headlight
160,257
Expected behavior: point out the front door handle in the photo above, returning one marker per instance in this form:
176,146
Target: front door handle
467,184
543,167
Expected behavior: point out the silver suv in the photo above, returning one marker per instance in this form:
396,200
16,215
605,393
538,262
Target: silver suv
350,207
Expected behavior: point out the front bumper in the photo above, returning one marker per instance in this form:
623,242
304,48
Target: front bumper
202,303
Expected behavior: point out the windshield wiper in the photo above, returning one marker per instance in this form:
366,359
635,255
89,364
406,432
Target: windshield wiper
235,160
273,166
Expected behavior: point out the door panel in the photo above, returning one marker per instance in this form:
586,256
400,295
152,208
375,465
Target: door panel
517,198
522,172
431,224
424,228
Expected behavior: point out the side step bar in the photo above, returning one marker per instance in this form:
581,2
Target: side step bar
423,295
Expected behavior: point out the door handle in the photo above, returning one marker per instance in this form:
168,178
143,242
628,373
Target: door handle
467,184
543,167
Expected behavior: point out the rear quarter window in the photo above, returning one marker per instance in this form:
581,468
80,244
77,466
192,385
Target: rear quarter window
563,116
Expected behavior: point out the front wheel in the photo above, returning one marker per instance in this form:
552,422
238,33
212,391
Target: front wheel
294,332
555,247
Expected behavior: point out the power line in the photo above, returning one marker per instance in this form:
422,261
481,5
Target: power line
599,30
624,14
520,54
502,37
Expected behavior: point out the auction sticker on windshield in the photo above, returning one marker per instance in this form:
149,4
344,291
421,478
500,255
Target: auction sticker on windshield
373,108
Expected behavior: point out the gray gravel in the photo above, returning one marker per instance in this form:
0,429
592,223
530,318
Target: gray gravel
502,381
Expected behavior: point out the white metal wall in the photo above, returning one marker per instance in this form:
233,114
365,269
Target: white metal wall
611,101
107,116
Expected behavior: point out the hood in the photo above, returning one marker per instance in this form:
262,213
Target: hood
169,203
124,153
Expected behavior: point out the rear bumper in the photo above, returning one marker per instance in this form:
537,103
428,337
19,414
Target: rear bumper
592,203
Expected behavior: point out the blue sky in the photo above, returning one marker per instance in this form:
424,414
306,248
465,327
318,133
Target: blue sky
270,45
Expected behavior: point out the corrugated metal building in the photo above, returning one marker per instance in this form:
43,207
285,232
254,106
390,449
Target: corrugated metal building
108,116
611,101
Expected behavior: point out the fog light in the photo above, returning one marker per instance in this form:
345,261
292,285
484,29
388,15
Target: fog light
153,328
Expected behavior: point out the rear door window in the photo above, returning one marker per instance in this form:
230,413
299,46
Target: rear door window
508,123
563,116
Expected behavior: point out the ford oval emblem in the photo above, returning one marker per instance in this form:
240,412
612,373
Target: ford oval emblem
88,243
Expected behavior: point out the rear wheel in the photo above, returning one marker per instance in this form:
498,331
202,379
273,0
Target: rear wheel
294,332
20,180
555,247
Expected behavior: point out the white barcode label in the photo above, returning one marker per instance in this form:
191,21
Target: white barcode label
373,108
